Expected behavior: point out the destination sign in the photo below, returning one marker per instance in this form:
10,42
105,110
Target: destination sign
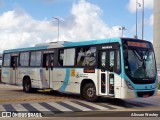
138,44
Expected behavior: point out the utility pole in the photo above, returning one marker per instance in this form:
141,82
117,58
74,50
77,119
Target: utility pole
143,20
136,17
57,27
122,28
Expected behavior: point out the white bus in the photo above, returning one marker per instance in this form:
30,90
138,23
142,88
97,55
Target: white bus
116,67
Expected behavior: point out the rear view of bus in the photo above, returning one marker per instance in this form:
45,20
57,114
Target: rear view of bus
139,71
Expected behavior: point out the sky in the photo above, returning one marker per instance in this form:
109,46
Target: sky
24,23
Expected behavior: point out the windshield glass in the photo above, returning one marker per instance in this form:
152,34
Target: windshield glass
140,63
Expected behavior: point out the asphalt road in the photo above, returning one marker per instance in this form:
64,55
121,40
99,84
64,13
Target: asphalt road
56,105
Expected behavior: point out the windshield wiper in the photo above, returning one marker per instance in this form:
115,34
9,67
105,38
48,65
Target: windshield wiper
137,55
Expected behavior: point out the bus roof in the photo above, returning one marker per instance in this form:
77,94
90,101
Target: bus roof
67,44
25,49
92,42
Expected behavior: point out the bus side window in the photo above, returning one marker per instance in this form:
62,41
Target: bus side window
80,56
45,61
86,56
7,58
61,57
118,62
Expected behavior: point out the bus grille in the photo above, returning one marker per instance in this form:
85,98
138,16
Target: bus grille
145,94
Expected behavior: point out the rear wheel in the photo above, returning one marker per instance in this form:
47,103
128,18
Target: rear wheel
89,92
27,86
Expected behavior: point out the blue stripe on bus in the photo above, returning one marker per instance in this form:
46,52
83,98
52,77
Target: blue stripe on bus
66,80
92,42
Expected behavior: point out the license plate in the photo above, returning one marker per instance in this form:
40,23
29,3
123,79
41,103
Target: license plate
145,95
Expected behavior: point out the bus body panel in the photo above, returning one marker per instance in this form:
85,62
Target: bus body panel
118,86
69,78
60,77
6,75
33,74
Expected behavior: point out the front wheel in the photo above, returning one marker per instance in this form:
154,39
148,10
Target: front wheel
27,86
89,92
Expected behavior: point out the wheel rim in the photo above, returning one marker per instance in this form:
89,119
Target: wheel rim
91,92
27,86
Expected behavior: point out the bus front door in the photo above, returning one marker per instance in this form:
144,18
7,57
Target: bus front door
106,72
48,60
14,62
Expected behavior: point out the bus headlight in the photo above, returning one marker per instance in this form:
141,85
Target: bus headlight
129,85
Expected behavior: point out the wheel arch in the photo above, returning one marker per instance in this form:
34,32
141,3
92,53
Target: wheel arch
26,77
85,82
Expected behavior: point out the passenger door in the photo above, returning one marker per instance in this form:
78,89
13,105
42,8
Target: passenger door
48,64
14,64
106,72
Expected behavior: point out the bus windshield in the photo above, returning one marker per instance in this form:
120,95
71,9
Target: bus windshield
140,63
139,60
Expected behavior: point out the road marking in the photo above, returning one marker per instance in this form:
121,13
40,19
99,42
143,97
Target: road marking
41,108
2,109
69,107
58,106
9,107
85,105
29,107
95,105
19,107
77,106
51,108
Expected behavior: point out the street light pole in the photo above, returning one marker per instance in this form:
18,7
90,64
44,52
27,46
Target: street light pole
58,25
122,28
143,20
136,17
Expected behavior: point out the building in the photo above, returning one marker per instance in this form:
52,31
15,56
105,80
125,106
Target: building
0,65
156,32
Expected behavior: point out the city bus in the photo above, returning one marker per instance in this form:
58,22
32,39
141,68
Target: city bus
123,68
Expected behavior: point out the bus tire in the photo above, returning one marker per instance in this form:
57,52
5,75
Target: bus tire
89,92
27,86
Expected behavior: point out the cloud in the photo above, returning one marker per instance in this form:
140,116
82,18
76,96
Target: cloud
132,5
87,22
19,29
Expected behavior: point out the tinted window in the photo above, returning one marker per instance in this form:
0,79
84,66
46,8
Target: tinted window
35,58
24,59
86,56
61,57
7,58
